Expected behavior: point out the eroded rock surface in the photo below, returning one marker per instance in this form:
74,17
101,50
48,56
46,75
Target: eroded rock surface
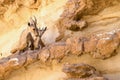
99,45
103,45
75,45
16,61
81,72
74,10
55,51
70,18
94,78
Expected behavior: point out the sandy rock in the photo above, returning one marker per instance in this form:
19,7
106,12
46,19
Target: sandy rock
44,54
76,26
102,45
118,33
107,44
30,56
80,71
90,44
71,17
98,46
7,1
74,10
2,10
58,51
75,45
94,78
16,61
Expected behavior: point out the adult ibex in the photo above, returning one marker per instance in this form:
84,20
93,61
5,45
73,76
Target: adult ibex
27,37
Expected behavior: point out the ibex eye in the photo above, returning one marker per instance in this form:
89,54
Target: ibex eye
34,29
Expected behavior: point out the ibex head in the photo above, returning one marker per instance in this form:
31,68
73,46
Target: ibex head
32,22
32,26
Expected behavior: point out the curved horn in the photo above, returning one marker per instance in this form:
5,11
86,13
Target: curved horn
35,20
31,20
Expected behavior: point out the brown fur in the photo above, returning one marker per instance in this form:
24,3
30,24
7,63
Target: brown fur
38,43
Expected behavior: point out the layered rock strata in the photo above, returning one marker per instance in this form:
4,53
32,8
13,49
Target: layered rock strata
99,46
81,72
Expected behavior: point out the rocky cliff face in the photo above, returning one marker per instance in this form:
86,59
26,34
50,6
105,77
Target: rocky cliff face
79,31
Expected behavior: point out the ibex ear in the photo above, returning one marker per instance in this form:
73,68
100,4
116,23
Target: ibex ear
28,23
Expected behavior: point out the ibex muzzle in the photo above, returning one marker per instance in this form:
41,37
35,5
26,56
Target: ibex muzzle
32,24
38,43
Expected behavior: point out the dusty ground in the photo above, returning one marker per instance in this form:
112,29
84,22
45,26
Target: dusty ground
106,20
